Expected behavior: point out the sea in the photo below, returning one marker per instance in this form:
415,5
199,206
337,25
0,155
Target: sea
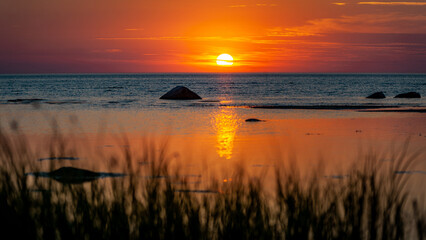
132,100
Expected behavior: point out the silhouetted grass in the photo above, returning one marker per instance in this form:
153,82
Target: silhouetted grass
369,203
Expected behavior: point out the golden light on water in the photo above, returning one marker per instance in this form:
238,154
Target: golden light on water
226,125
225,59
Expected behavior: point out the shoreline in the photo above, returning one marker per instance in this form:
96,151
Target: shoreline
359,108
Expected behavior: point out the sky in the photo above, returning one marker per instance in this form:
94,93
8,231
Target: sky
106,36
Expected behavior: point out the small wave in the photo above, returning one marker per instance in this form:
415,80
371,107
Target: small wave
122,101
65,102
202,104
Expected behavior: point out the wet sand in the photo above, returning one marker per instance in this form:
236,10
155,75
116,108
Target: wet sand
334,144
212,142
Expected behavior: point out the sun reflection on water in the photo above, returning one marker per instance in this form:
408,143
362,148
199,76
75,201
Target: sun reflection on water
226,124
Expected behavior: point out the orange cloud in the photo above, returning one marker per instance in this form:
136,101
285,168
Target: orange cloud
366,23
290,32
142,38
266,5
133,29
256,5
339,3
112,50
394,3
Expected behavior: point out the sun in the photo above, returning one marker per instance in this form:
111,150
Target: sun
224,59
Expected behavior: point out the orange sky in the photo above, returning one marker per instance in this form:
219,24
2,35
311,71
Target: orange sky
49,36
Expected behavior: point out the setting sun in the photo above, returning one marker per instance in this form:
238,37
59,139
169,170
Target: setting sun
224,59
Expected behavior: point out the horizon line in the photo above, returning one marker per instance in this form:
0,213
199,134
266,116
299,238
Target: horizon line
117,73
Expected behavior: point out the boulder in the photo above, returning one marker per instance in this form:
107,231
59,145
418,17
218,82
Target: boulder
408,95
377,95
180,93
71,175
254,120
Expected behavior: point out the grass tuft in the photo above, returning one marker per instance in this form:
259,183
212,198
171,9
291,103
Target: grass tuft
370,203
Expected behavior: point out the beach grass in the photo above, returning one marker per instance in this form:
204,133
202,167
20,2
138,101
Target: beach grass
370,202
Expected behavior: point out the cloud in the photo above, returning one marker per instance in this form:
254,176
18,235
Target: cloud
363,23
257,5
110,50
133,29
394,3
289,32
113,50
266,5
339,3
178,38
237,6
142,38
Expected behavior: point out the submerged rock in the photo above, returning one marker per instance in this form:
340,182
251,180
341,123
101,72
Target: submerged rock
180,93
408,95
25,100
377,95
254,120
71,175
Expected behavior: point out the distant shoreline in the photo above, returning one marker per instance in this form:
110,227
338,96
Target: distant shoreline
360,108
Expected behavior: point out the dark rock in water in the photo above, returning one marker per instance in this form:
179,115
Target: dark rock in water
180,93
254,120
377,95
25,100
408,95
71,175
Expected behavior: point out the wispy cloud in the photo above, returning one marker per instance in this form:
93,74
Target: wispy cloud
178,38
339,3
394,3
289,32
133,29
142,38
266,5
114,50
256,5
366,23
111,50
237,6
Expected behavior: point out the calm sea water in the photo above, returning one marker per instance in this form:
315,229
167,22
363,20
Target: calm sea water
88,91
132,100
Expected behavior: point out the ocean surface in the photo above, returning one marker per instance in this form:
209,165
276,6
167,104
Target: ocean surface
136,96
